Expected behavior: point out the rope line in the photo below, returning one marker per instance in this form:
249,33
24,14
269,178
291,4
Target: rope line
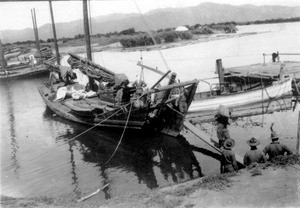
176,110
271,98
151,35
121,136
95,125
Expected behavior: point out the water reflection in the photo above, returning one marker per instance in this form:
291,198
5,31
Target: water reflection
155,160
75,183
138,153
12,128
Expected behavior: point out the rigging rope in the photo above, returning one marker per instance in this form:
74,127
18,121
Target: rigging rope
270,97
151,35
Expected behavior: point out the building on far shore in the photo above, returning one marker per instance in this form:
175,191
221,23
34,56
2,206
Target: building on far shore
181,28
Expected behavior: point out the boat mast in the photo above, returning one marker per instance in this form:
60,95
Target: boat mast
2,59
54,34
88,40
36,34
87,30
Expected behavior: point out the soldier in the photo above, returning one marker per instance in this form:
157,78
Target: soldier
228,161
254,154
275,148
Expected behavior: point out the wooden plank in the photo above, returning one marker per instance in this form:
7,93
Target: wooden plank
153,69
208,140
298,135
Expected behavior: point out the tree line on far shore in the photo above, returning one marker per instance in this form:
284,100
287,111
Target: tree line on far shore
170,35
132,38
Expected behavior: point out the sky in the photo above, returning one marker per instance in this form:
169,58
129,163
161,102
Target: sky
16,15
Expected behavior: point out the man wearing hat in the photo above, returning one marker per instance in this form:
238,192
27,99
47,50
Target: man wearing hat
222,119
228,161
254,154
275,148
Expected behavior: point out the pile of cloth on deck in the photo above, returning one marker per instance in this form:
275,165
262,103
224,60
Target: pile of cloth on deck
77,90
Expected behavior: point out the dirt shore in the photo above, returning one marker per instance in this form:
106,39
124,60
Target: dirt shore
263,185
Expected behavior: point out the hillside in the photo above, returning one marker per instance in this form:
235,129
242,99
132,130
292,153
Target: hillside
172,17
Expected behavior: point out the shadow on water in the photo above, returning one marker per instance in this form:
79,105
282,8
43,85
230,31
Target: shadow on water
155,159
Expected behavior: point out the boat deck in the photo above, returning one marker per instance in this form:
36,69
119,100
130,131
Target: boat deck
266,70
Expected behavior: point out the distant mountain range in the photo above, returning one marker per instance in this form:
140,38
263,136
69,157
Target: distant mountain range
159,19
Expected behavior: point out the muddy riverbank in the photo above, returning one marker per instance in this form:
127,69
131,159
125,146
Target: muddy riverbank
264,185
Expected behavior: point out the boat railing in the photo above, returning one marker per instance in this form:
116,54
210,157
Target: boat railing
276,57
214,87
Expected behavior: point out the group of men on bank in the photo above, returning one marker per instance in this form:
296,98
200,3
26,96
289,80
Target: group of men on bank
254,155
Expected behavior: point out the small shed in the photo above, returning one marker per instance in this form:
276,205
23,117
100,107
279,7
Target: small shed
181,28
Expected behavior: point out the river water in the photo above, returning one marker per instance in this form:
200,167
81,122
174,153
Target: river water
39,156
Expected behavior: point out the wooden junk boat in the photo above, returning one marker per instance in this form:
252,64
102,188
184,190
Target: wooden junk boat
136,111
247,85
28,68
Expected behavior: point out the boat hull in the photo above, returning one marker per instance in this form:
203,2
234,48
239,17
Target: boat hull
244,98
24,73
66,112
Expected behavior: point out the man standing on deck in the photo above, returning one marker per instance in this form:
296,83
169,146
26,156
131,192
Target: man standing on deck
275,148
63,73
254,154
228,160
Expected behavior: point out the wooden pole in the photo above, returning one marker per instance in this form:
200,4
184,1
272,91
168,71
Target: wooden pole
220,70
35,30
87,30
168,91
166,74
54,34
298,135
87,40
152,69
2,59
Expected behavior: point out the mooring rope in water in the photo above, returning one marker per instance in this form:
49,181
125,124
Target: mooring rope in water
94,193
121,135
95,125
99,189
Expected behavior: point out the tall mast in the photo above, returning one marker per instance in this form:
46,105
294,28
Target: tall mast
87,40
36,34
2,59
54,33
87,30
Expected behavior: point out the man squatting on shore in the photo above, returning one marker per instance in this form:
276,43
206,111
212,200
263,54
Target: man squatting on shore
272,150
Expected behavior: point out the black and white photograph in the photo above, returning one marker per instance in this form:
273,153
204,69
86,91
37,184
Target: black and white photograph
149,103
